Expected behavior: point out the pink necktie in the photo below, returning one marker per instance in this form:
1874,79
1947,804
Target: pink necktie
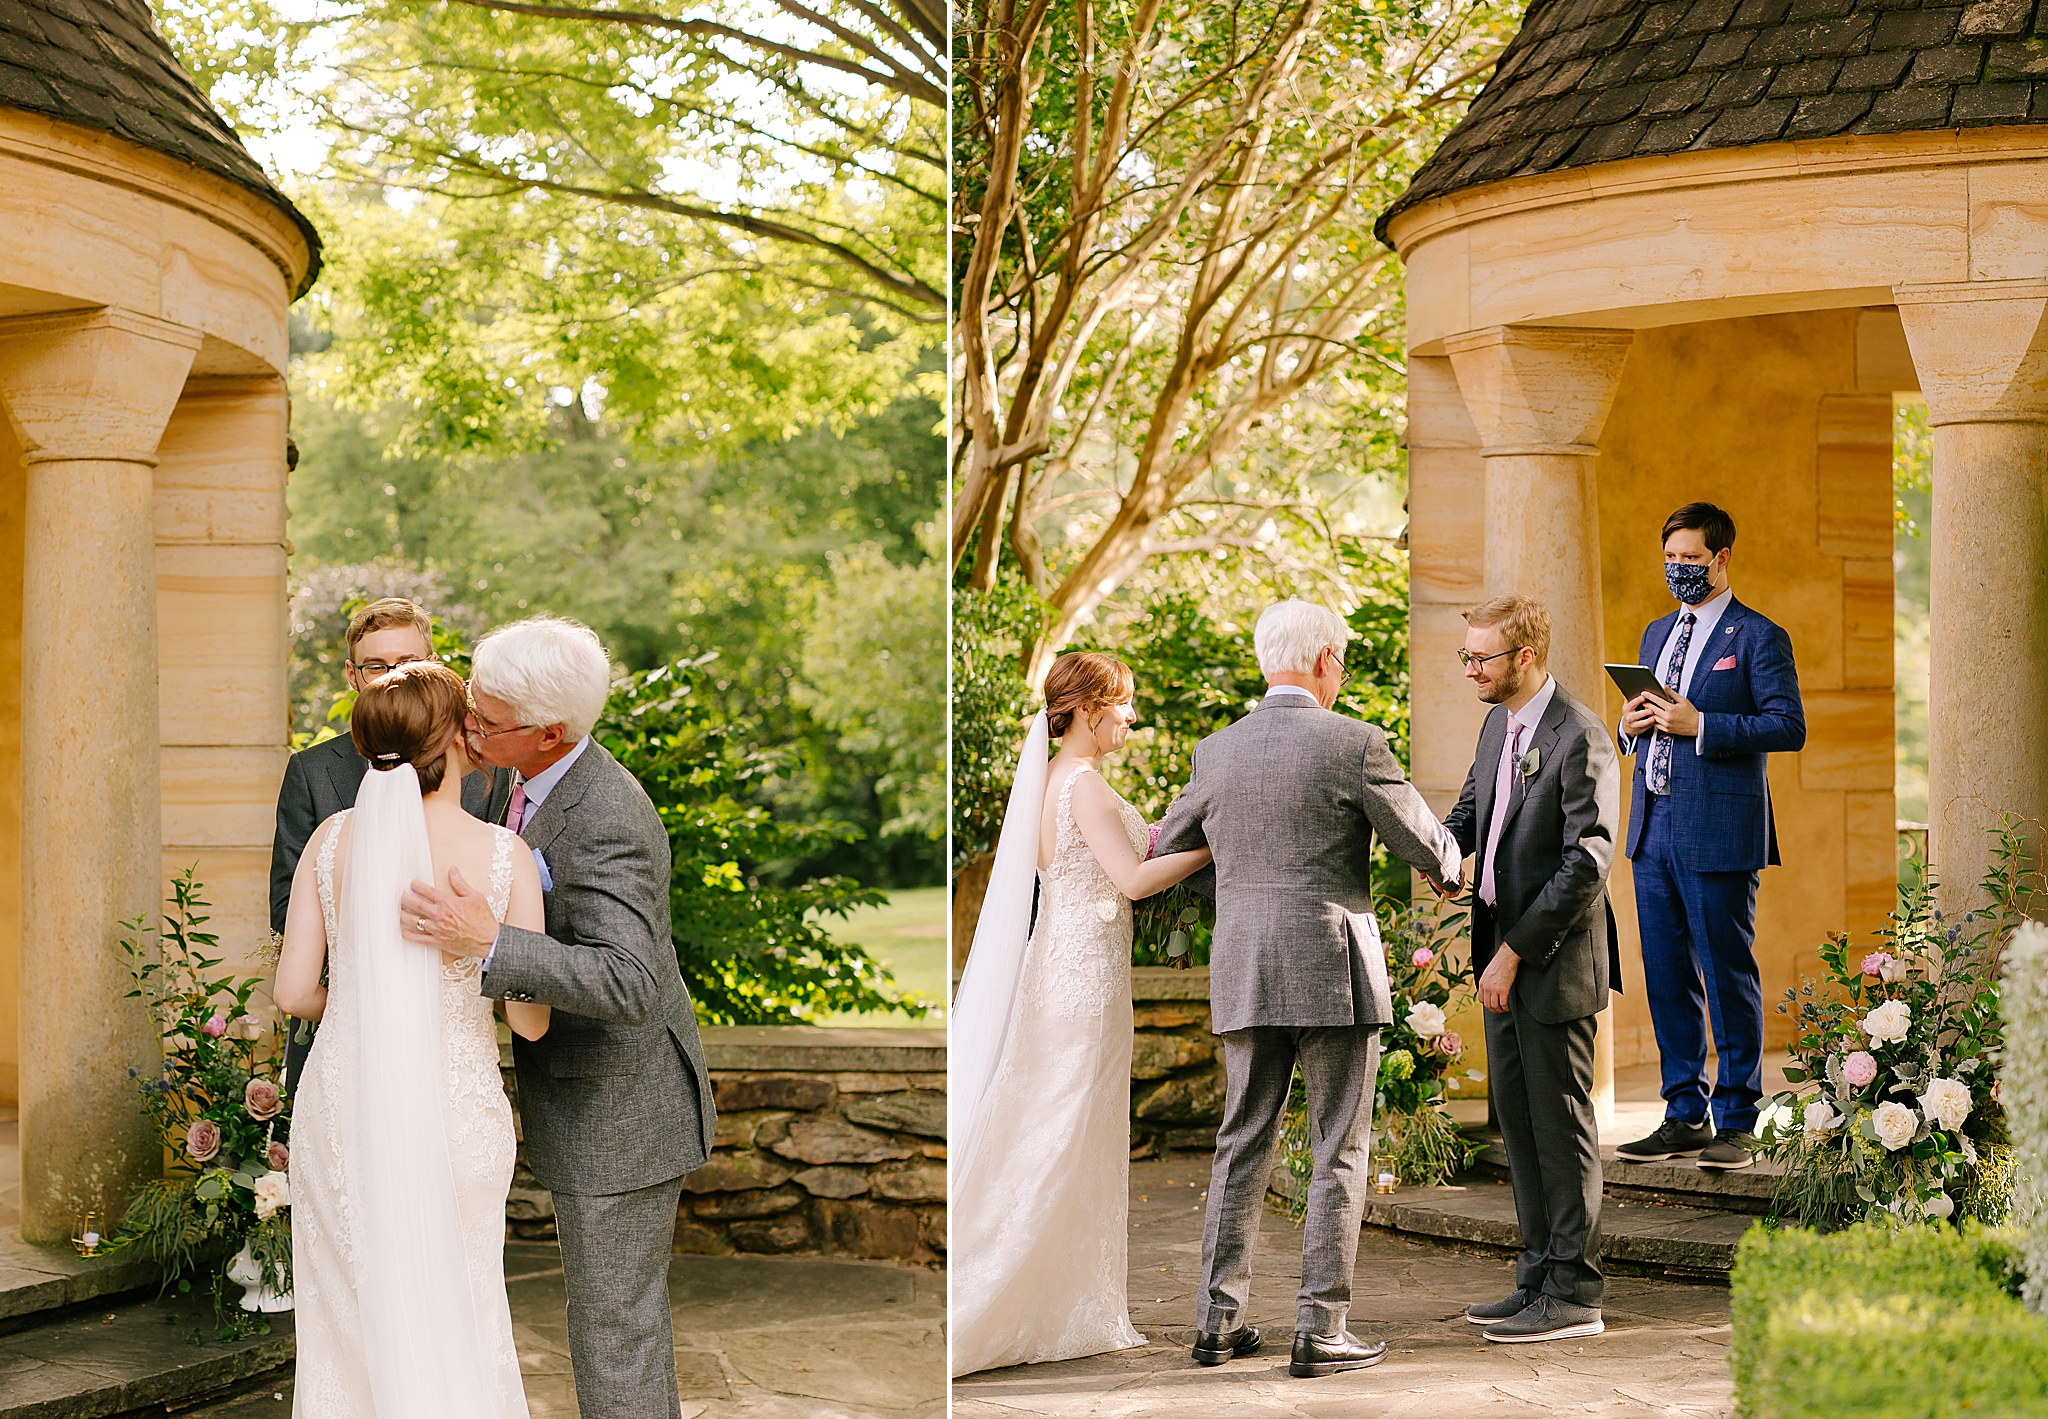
515,816
1503,785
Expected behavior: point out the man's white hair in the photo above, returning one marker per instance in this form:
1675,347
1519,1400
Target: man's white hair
550,670
1291,634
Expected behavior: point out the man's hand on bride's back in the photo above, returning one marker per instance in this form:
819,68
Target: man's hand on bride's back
458,921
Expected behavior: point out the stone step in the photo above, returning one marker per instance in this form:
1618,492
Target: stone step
1679,1182
129,1356
85,1337
1636,1238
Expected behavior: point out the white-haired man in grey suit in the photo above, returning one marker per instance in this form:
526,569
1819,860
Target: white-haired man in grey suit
1289,799
615,1099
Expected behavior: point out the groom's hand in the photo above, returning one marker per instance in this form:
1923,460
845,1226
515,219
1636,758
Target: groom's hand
1498,979
458,921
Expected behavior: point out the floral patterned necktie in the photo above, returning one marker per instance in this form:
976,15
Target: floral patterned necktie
1674,671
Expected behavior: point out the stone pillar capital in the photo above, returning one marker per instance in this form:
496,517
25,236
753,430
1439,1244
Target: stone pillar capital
1539,390
92,385
1981,349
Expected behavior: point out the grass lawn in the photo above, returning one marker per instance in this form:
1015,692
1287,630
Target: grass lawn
908,935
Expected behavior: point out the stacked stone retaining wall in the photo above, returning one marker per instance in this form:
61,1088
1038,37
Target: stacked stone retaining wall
1176,1064
829,1141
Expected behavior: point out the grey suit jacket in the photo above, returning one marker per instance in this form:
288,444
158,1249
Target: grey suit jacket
615,1097
1289,798
1550,868
321,781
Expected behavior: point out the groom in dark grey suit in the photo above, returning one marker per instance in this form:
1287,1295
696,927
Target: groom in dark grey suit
615,1098
1289,798
1540,810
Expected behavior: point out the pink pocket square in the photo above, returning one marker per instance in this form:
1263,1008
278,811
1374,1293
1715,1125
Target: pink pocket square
1726,662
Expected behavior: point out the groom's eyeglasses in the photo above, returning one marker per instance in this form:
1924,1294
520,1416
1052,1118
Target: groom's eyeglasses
374,668
1467,659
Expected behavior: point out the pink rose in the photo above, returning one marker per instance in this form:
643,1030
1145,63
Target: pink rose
216,1027
1152,836
1449,1044
279,1157
1422,958
202,1140
262,1099
1874,964
1859,1068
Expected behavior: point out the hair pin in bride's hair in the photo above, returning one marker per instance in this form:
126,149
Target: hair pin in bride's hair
389,758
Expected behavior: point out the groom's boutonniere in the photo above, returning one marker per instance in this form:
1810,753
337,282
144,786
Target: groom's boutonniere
1529,763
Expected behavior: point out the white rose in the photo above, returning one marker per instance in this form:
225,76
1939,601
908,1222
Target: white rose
1777,1117
1895,1124
1893,970
1969,1151
273,1190
1888,1023
1820,1116
1946,1102
1426,1020
1940,1205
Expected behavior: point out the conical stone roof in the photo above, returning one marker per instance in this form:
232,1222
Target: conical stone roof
1595,81
103,64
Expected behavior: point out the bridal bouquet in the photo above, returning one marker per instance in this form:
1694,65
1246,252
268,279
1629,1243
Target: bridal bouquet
220,1109
1899,1046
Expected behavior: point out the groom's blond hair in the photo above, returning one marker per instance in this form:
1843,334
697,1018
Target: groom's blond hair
1291,634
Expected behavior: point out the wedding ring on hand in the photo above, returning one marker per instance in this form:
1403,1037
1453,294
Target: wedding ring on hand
419,925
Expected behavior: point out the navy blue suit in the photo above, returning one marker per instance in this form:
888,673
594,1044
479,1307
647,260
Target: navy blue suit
1697,851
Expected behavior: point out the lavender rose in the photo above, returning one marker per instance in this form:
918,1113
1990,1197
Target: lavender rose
202,1141
1859,1068
279,1157
262,1099
1449,1045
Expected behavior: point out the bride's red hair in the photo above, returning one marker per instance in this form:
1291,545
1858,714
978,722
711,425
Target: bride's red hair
1081,681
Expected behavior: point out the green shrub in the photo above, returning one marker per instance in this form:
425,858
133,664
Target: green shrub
1884,1323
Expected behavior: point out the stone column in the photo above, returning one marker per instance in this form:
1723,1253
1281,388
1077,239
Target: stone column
88,394
1539,397
1982,353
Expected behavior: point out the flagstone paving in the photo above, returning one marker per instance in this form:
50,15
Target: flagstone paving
1664,1353
756,1338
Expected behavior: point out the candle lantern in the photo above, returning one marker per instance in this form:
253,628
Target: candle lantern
89,1233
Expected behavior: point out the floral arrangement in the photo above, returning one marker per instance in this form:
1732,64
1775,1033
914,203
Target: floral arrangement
1422,1061
1172,928
219,1109
1903,1119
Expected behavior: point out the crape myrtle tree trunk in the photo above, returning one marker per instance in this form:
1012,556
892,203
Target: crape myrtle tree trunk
1169,293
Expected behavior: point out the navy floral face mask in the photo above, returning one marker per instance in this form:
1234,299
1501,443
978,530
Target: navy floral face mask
1690,582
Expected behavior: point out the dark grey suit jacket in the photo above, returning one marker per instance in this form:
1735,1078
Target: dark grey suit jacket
1289,798
615,1097
1550,868
321,781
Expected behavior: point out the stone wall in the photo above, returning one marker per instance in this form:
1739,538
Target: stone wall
1176,1064
829,1142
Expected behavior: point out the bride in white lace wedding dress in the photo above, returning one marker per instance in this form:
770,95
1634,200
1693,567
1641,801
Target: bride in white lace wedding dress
402,1141
1042,1047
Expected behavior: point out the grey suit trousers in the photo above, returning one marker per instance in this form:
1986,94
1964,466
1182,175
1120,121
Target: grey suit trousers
1340,1067
615,1255
1543,1101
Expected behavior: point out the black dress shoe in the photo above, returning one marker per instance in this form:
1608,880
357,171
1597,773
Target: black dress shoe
1328,1354
1728,1151
1214,1349
1674,1138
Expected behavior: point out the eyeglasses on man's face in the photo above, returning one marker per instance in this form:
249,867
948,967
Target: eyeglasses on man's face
1467,659
374,668
482,725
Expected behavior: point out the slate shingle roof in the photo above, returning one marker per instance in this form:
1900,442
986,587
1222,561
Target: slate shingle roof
1592,81
103,64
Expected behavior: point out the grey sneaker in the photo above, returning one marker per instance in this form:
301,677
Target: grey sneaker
1547,1318
1517,1301
1728,1151
1674,1138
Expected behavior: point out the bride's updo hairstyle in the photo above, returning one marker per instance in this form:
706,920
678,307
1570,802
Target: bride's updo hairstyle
1081,682
407,716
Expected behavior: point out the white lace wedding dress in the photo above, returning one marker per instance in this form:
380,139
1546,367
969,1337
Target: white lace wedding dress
1039,1247
336,1379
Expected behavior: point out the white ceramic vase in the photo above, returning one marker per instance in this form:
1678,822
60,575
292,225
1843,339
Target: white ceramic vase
246,1273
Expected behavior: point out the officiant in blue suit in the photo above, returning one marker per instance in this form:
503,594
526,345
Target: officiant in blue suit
1700,831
